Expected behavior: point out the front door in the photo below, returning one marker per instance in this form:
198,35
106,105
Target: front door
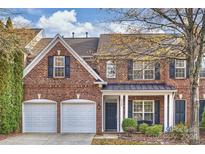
111,116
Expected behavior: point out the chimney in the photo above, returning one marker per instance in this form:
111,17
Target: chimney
86,34
73,34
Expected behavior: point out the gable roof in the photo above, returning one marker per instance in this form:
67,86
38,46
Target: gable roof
49,46
83,46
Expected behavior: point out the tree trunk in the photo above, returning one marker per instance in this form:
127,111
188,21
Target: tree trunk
194,130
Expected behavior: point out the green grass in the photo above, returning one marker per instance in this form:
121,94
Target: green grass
115,142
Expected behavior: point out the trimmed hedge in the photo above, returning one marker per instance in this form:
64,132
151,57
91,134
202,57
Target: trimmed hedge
129,123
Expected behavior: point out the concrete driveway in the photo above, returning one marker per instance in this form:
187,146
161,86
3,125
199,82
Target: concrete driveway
48,139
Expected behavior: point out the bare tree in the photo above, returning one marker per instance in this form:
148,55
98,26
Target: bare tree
182,38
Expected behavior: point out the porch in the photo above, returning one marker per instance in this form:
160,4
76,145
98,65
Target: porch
150,103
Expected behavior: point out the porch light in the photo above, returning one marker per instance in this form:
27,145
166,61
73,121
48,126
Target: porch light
203,96
180,96
39,96
98,106
78,95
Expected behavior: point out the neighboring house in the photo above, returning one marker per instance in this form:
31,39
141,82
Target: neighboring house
72,85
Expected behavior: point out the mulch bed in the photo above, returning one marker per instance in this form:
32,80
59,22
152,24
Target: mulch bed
163,139
4,136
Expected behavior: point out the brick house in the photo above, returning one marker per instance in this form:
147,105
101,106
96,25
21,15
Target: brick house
73,85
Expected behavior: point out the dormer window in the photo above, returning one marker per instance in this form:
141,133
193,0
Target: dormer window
59,67
110,70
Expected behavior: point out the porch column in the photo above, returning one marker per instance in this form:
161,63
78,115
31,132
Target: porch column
171,110
121,112
126,106
165,113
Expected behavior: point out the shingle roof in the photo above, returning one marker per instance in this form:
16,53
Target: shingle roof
138,86
83,46
27,34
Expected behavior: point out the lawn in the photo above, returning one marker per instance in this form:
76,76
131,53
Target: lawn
115,142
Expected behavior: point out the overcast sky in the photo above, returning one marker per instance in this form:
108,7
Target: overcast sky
66,21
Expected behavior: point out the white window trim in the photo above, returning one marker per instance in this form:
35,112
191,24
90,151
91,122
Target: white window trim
107,74
202,77
143,72
54,66
143,112
181,67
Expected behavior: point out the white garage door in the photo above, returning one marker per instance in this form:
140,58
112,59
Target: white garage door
39,117
78,118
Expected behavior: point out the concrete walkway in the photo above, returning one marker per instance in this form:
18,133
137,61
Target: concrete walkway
48,139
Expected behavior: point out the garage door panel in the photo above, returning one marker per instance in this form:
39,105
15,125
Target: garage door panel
79,118
40,117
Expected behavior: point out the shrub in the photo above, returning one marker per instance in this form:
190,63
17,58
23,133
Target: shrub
203,120
129,125
154,130
179,132
143,127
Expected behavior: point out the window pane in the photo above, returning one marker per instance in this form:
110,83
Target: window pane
59,72
138,74
138,65
59,61
148,107
180,72
148,65
111,70
148,116
180,63
138,116
202,72
138,107
149,74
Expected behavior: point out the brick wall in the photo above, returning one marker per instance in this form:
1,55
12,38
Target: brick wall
80,81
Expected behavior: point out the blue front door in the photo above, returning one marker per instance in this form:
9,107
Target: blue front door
111,116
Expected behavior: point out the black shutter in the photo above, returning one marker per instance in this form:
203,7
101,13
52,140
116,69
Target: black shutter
157,111
157,71
201,109
187,69
130,109
172,69
50,66
179,111
67,66
130,69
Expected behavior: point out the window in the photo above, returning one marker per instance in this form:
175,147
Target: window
143,70
143,110
202,72
59,66
180,68
110,70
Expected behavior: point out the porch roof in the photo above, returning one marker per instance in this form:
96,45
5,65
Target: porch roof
138,86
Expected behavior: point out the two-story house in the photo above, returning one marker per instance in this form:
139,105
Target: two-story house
73,85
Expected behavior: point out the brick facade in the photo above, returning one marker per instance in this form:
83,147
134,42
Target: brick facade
80,81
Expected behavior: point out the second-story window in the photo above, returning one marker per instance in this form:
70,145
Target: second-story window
180,68
59,67
110,69
143,70
202,72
